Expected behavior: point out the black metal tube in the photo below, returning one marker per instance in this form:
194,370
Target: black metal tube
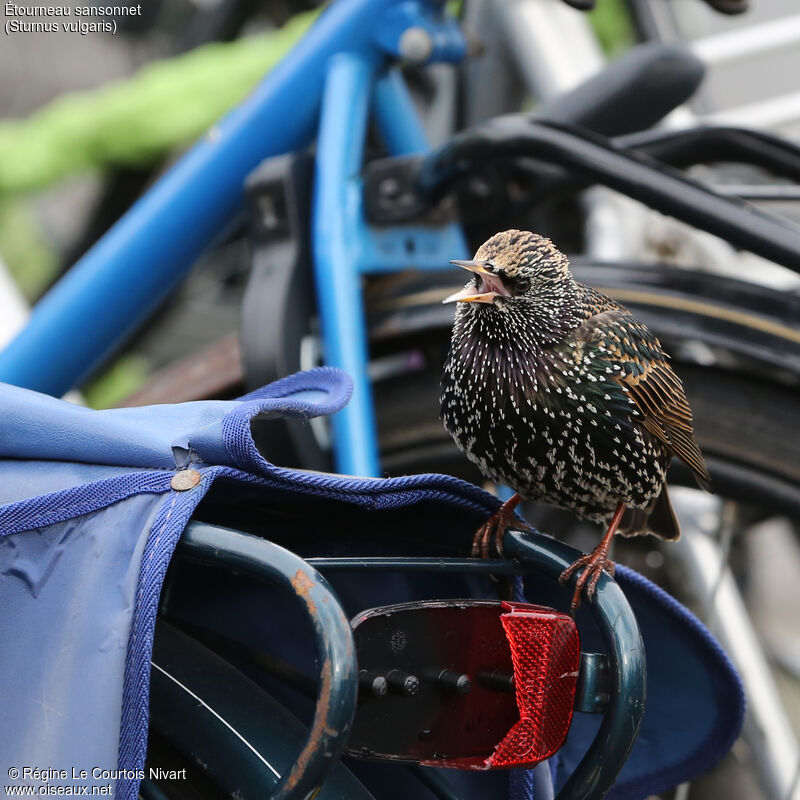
709,145
602,161
693,146
488,566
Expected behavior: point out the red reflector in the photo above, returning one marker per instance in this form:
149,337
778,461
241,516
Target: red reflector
545,654
464,683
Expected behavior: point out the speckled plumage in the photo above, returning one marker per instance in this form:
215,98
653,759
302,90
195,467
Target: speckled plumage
556,390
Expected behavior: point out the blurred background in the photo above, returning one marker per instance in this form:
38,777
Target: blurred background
87,123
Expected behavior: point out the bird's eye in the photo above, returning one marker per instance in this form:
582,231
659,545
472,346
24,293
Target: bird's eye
523,284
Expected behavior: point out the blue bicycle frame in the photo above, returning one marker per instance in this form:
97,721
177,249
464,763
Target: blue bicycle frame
330,85
338,74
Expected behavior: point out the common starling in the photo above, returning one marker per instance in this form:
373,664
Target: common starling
557,391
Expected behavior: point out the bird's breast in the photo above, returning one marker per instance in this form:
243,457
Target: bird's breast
551,429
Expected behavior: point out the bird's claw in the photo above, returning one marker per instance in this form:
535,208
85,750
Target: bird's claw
493,529
593,565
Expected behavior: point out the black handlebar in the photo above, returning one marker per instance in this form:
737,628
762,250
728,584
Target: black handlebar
599,160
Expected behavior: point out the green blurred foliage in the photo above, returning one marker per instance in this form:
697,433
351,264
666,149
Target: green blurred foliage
613,26
24,249
167,104
119,380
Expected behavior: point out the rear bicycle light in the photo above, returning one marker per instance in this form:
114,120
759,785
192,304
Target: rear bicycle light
466,684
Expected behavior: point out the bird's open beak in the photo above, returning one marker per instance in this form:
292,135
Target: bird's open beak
490,285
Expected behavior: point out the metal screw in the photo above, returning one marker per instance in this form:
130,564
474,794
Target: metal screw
416,45
389,188
454,681
372,684
402,683
497,679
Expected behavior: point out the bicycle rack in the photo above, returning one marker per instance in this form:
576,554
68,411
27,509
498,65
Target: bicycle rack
337,692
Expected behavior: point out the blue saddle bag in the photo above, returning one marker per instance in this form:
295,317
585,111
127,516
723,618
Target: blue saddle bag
89,521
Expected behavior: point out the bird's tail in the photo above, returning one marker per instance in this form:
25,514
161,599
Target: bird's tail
658,518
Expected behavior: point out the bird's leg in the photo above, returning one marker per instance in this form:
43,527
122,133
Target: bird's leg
594,563
496,525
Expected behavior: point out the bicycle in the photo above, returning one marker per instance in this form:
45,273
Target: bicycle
347,75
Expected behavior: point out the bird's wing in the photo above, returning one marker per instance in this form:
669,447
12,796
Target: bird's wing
644,374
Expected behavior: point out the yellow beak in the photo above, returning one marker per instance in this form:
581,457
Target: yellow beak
490,287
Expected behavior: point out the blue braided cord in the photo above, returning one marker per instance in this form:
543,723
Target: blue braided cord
54,507
167,528
370,492
334,382
521,784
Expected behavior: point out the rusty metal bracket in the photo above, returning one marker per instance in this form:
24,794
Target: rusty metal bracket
338,688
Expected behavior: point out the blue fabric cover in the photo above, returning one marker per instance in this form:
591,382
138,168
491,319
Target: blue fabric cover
88,524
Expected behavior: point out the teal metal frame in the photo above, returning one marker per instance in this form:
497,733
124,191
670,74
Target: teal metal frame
622,676
338,691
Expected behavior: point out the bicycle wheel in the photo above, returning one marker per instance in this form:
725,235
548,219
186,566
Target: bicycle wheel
733,345
737,350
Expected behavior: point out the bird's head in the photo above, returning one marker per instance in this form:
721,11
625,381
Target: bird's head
515,270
